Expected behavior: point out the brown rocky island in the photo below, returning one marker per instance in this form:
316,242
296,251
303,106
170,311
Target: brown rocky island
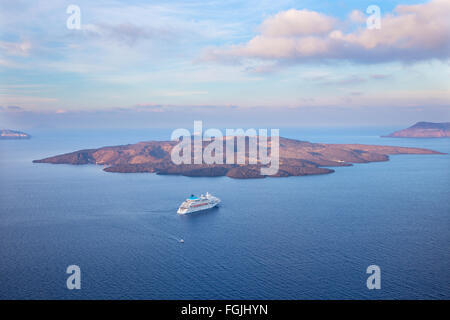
423,130
297,158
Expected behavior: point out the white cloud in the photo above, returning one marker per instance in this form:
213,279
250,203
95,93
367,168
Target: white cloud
413,32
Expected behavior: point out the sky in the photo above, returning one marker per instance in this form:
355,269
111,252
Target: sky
274,63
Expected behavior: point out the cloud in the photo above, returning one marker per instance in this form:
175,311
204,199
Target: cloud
297,23
12,109
183,93
232,117
125,33
411,33
380,76
262,68
10,64
357,16
15,48
147,107
350,80
24,101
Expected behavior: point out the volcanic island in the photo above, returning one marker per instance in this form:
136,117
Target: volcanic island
423,130
296,158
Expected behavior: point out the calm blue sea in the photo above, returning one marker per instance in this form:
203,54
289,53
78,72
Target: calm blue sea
276,238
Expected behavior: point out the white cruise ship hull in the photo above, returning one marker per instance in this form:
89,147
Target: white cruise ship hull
199,204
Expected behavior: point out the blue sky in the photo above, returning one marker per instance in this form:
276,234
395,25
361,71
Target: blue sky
157,59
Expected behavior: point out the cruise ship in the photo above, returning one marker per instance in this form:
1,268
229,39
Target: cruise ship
194,204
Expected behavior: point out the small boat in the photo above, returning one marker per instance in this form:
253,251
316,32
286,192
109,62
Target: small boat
181,241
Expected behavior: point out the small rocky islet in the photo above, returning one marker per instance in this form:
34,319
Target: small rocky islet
423,130
7,134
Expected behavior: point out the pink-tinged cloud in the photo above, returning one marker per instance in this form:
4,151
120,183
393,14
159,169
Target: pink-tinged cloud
297,23
357,16
412,32
15,48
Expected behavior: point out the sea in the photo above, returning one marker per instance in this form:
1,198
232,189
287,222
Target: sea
307,237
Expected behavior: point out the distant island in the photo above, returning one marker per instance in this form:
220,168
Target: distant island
423,130
11,134
297,158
